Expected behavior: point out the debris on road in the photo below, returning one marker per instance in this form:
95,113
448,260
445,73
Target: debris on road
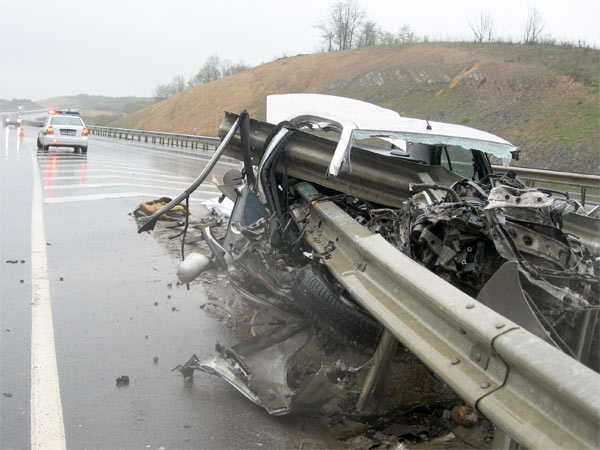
123,380
150,207
464,415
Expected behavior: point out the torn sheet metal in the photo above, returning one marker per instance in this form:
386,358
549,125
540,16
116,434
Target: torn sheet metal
258,368
503,196
503,293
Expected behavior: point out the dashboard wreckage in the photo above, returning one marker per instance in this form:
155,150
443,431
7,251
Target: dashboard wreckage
426,188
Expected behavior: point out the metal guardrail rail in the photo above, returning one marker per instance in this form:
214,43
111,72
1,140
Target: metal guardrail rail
538,395
192,141
533,176
159,137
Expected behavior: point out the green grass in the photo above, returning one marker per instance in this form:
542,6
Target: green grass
569,125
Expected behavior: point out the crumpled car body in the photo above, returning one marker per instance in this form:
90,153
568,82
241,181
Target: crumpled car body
425,187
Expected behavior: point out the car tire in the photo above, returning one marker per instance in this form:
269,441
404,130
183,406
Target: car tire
336,316
39,143
45,147
83,149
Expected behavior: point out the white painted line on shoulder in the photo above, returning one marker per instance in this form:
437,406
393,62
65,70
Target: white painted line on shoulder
120,177
69,167
128,177
175,154
47,426
83,198
111,185
131,172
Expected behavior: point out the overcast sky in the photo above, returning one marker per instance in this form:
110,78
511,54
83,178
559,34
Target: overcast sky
128,47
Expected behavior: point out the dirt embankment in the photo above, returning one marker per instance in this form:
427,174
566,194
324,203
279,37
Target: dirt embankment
543,99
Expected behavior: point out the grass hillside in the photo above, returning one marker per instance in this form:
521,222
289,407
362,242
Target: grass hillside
98,109
545,99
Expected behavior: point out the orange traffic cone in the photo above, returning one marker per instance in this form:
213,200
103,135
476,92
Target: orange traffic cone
21,132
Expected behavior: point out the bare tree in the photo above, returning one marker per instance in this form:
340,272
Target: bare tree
387,38
210,71
178,84
368,34
229,68
482,27
327,34
406,35
344,20
164,91
534,25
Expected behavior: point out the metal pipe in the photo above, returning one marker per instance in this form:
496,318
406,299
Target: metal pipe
149,223
383,355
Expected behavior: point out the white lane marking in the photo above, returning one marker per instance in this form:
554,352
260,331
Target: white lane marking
176,154
61,164
130,177
82,198
124,170
47,426
71,157
111,185
67,160
99,166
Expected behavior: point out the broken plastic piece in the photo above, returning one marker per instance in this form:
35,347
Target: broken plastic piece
192,266
123,380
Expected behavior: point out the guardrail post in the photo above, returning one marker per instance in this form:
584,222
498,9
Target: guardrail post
383,355
503,441
583,192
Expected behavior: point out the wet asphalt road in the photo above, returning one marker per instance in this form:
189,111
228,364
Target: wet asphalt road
104,281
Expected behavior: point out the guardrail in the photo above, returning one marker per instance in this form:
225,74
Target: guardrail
538,395
159,137
533,176
192,141
530,176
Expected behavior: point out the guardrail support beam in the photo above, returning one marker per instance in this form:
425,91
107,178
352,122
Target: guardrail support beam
381,360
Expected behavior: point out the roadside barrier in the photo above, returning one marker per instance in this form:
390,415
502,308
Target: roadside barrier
535,393
583,182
